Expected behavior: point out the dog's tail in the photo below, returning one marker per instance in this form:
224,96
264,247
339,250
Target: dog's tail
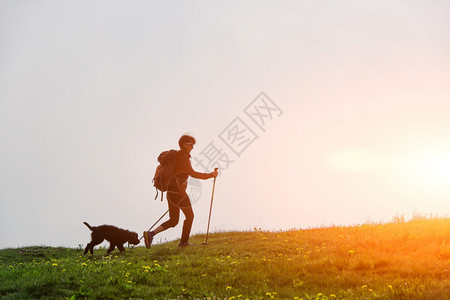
89,226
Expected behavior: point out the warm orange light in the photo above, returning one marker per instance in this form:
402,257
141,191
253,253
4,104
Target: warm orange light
429,171
355,160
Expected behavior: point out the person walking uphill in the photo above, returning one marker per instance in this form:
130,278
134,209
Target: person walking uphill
177,197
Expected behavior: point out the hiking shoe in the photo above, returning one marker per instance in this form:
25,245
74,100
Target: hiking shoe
148,238
186,244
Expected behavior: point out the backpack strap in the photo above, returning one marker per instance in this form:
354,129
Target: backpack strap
162,194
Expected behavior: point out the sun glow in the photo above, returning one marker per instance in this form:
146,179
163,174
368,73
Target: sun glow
355,160
425,170
438,168
417,173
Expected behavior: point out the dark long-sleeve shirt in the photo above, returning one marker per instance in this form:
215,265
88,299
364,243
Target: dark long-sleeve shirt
182,170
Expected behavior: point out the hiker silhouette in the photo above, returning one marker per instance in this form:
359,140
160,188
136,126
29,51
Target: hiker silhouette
177,198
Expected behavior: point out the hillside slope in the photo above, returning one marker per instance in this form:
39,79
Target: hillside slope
399,260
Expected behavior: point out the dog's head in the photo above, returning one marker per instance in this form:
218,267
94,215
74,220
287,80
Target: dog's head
133,238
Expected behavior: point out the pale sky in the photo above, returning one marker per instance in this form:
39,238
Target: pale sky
92,91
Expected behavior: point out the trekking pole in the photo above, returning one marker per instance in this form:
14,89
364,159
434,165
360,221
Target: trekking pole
152,226
210,208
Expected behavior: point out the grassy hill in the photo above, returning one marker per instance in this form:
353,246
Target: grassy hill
399,260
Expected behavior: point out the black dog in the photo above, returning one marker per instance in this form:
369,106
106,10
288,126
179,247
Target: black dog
114,235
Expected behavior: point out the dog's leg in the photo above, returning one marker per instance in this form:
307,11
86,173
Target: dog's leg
121,248
87,248
111,247
95,241
90,248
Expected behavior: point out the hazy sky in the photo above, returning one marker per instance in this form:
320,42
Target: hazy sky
356,110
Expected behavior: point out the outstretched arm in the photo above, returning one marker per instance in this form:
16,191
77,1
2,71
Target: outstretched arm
187,168
199,175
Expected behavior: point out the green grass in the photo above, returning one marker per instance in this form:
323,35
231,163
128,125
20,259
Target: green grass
399,260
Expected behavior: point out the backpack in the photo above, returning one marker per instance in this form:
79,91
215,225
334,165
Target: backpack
164,171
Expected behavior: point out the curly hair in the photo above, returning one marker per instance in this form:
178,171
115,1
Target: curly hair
186,139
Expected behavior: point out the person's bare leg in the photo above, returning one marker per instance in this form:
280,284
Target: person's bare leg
158,230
